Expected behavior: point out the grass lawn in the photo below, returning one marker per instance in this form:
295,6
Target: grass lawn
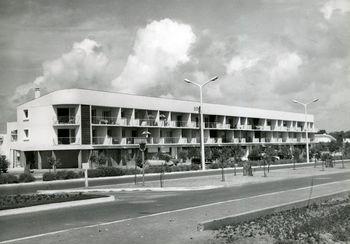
328,222
27,200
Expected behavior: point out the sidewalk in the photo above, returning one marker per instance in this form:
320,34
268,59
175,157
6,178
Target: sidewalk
214,181
180,226
182,177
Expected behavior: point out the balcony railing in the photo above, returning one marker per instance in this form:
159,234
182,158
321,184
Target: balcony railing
178,140
65,120
66,140
102,120
262,127
255,140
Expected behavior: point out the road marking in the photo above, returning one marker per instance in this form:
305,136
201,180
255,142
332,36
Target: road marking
164,213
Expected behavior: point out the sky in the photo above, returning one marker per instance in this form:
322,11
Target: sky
265,52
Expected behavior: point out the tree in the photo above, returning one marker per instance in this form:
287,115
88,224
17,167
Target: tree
4,164
284,152
333,146
182,155
327,159
54,163
164,156
222,155
270,153
194,152
296,156
255,153
347,150
236,153
102,160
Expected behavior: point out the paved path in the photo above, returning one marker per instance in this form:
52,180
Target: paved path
214,181
161,217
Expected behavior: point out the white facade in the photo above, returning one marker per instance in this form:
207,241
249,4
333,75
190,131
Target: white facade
323,138
71,123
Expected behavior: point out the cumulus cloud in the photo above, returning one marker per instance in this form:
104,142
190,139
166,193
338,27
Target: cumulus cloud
332,6
158,50
238,63
84,66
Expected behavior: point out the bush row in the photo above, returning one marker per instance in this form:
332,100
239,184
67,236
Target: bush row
113,171
11,178
62,175
26,200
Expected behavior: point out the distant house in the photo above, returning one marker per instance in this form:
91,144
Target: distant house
324,138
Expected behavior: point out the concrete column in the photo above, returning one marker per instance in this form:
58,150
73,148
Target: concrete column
79,159
39,160
156,119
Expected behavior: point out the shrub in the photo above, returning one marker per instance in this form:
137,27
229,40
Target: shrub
215,166
72,175
132,171
25,177
61,175
255,154
195,167
66,174
105,171
4,164
48,176
54,163
8,178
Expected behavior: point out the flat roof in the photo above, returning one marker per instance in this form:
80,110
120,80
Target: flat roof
117,99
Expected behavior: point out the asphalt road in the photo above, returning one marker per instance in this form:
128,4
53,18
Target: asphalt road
135,204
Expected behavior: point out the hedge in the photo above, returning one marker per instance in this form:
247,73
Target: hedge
26,177
8,178
62,175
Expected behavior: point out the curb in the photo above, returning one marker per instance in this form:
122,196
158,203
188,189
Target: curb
201,188
51,206
215,224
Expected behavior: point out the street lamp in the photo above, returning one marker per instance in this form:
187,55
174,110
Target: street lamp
306,127
201,115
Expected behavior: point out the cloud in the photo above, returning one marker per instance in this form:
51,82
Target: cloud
84,66
238,64
332,6
158,50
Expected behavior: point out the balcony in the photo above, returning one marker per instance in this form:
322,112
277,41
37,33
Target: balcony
66,120
101,120
262,140
148,122
242,140
272,140
66,141
105,140
262,127
255,140
192,124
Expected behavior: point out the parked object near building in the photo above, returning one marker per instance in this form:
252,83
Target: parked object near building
72,124
324,138
346,140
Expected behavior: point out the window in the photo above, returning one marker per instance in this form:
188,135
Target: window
26,134
26,115
14,135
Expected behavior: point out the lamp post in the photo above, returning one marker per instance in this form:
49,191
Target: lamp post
201,115
306,127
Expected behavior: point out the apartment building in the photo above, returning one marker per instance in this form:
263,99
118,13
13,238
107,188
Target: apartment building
72,124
